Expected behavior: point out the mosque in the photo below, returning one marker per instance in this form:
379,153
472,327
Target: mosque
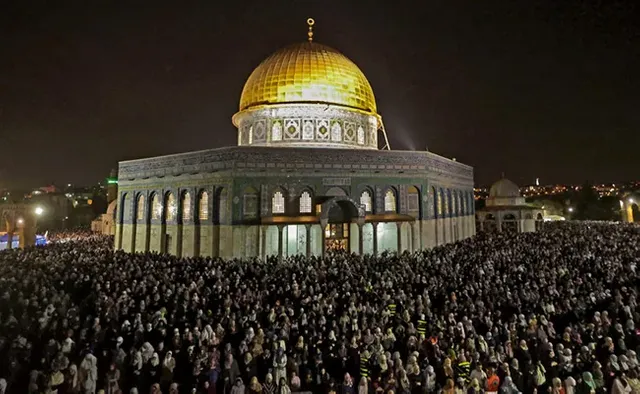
306,176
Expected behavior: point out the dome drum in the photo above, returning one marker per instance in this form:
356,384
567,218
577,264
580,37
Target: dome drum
312,125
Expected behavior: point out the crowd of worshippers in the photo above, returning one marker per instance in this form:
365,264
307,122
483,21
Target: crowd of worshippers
76,234
554,311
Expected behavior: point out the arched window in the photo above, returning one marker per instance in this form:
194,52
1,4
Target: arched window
140,209
446,196
390,201
360,135
413,199
277,203
433,195
203,206
454,203
465,211
223,205
365,199
171,207
186,206
305,202
250,204
156,207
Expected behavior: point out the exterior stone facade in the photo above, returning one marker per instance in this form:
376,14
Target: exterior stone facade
267,201
306,176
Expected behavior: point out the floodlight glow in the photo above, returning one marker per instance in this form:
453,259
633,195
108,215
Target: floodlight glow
39,211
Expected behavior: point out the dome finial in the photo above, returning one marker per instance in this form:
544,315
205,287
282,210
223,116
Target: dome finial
310,22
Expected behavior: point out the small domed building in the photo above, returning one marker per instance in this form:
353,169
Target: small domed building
506,210
305,177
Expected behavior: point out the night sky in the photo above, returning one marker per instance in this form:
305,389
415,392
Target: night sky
535,89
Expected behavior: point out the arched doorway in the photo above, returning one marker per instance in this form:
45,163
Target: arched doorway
337,215
630,208
489,223
539,222
509,223
635,212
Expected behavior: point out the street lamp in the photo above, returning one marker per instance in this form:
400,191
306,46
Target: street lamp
20,221
39,211
630,200
570,209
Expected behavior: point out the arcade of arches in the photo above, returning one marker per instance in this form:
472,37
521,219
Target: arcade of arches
199,222
629,206
18,220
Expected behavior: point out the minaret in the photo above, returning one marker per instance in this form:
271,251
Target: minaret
112,186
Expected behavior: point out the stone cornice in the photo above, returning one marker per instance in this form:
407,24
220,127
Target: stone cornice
250,159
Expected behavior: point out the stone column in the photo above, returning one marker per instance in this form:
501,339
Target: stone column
307,228
27,232
417,236
10,228
323,226
360,240
375,238
399,236
263,242
280,240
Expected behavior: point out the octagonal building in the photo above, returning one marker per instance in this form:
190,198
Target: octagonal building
306,176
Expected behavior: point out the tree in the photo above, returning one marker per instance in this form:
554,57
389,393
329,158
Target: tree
589,205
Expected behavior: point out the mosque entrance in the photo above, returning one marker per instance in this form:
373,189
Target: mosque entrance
337,215
336,237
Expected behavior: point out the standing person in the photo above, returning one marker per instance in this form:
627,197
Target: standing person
113,378
493,381
587,385
620,385
363,387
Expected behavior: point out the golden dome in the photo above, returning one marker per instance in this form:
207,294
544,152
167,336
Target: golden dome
308,73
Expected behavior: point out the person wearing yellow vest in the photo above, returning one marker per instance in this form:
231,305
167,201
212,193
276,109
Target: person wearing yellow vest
392,309
463,368
364,365
422,326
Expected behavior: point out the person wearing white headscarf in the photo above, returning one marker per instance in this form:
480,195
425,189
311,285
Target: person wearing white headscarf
508,387
168,365
620,386
363,387
569,385
72,384
89,373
